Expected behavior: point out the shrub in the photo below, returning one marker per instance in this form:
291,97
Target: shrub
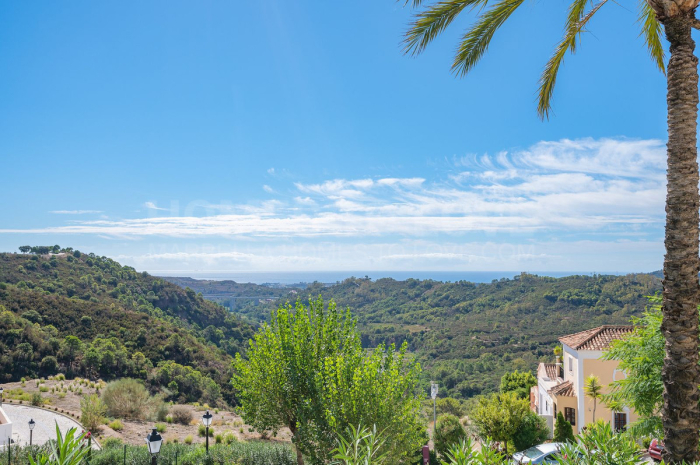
127,398
563,432
181,414
92,412
189,439
229,438
218,439
448,432
202,431
533,430
116,425
37,400
161,411
60,377
161,427
111,442
43,388
169,419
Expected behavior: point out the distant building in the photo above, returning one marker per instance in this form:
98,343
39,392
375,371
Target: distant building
560,385
5,428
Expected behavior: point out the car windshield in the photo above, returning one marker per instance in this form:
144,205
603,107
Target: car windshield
532,452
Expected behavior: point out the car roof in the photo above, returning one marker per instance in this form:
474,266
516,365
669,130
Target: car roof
550,447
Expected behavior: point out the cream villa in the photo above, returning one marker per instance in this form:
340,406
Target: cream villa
560,385
5,428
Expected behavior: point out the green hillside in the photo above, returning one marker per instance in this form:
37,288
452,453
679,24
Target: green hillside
127,324
468,335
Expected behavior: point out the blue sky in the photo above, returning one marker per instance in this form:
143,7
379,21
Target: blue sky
281,136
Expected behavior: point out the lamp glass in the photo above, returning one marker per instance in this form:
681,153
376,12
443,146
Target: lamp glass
154,441
206,419
32,423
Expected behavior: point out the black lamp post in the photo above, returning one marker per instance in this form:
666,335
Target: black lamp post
2,395
206,420
32,424
154,441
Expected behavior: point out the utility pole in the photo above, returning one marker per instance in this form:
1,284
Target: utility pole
433,394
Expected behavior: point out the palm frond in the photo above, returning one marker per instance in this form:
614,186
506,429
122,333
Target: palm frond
651,30
428,24
568,43
476,40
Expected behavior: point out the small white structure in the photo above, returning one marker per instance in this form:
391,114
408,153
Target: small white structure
5,428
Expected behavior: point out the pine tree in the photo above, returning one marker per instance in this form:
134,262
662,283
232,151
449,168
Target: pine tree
563,432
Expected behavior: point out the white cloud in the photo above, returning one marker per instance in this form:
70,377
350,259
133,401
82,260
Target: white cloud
568,187
268,189
75,212
153,206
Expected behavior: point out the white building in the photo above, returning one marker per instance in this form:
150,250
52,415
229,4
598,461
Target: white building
5,428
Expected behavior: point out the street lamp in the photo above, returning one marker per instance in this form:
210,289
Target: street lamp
206,420
32,424
154,441
2,396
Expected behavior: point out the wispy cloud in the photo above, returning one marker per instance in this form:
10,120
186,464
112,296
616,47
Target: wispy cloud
268,189
75,212
153,206
568,186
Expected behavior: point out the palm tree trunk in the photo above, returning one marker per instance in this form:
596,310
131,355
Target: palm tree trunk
594,406
681,295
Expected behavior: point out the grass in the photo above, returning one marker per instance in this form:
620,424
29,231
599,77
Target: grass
116,425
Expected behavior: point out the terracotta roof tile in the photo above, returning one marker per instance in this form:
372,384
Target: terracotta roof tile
551,370
565,389
596,338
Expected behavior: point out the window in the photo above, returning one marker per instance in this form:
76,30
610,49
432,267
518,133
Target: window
546,406
571,363
570,415
620,421
555,409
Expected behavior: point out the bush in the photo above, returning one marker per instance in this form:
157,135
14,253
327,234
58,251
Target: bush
202,431
37,400
43,388
181,414
533,430
218,439
189,439
127,398
161,412
229,438
116,425
563,432
161,427
108,443
169,419
448,432
92,412
449,405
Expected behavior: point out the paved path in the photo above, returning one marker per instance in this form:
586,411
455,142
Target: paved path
45,428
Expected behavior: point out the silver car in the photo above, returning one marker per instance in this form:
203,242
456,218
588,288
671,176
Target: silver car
544,453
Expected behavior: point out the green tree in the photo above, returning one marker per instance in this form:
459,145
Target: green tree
681,373
499,416
449,405
563,432
519,383
73,346
533,430
593,390
641,355
448,432
25,248
306,370
92,412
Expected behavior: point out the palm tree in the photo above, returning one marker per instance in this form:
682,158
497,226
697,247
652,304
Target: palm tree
681,294
593,390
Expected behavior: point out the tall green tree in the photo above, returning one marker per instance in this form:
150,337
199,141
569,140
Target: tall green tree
681,295
641,356
306,370
499,416
519,382
593,390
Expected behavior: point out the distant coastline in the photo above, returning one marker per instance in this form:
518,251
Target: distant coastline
328,277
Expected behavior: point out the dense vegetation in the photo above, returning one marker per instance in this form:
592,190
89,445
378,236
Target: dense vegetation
91,316
468,335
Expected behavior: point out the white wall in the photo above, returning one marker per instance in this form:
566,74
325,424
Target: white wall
5,428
